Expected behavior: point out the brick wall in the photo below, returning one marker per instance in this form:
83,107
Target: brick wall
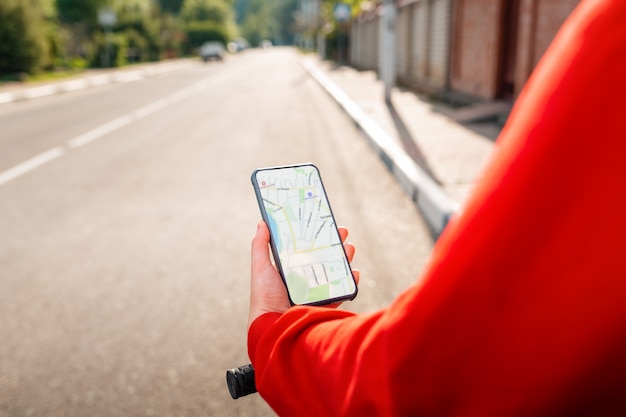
460,45
423,44
539,22
439,42
474,60
365,42
403,42
479,30
419,32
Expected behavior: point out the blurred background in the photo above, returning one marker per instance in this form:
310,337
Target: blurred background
128,134
478,49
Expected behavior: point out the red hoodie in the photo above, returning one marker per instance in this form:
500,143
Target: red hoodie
522,309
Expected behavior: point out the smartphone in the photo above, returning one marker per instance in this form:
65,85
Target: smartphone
304,239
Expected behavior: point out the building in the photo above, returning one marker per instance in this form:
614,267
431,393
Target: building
480,49
497,44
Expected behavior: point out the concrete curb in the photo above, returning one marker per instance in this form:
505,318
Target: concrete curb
432,201
116,76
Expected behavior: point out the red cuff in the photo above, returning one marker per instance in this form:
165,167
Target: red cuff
257,329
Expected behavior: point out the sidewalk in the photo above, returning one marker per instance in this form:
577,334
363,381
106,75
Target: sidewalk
450,155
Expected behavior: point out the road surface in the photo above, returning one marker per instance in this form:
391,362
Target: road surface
126,215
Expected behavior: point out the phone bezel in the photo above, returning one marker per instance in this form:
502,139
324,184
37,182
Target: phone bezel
274,250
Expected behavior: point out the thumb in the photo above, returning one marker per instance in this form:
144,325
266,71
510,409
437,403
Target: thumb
260,253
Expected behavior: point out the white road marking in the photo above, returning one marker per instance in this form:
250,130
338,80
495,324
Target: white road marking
150,108
102,130
31,164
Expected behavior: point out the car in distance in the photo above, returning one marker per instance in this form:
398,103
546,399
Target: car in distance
237,45
212,50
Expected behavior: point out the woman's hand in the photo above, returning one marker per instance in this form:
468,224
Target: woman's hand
267,291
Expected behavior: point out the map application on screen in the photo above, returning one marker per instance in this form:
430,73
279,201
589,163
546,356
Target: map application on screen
304,234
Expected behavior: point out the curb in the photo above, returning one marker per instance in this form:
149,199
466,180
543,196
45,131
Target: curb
116,76
432,201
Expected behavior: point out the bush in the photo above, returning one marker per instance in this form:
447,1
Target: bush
23,46
78,63
116,46
138,49
200,32
142,32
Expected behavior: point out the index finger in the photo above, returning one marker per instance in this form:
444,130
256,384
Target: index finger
343,233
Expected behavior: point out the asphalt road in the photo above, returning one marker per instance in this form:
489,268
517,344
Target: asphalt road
126,215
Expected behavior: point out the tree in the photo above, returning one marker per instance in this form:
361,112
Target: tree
23,46
207,20
139,23
266,20
80,11
286,21
48,7
171,6
260,22
79,19
216,11
241,9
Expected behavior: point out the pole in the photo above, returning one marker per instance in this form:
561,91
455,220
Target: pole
107,49
388,47
107,18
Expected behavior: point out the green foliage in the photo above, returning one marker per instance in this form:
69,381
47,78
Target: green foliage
23,46
171,36
110,50
75,11
171,6
78,63
200,32
217,11
241,10
260,22
50,34
206,20
138,47
261,19
48,7
55,48
286,22
141,31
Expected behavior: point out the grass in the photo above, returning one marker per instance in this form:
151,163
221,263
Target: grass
43,76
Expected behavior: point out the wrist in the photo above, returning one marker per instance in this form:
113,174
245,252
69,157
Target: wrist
258,311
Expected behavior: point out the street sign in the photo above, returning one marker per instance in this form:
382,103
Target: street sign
342,12
107,17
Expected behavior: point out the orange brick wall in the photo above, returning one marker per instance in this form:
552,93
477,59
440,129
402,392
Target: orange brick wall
477,28
475,43
539,22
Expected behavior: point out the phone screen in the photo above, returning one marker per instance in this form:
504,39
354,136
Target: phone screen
305,241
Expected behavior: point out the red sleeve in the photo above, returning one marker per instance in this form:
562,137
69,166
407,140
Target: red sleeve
522,310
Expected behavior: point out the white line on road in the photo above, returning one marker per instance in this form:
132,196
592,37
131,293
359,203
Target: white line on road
102,130
150,108
31,164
